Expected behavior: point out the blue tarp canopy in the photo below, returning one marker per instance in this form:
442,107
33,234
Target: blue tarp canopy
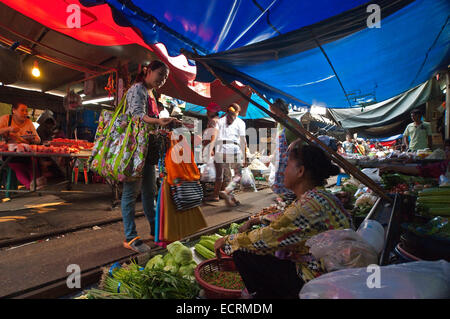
308,52
253,113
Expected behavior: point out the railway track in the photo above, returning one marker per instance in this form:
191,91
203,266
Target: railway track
90,277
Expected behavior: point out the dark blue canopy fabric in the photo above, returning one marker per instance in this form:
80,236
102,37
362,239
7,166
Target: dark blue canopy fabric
308,52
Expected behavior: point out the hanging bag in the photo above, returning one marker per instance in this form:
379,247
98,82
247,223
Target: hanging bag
182,177
121,145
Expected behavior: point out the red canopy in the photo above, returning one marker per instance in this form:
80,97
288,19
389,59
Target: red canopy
97,27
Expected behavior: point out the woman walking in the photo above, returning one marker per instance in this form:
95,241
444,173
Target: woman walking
141,102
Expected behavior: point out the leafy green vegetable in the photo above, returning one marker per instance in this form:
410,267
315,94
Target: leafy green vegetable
187,270
349,188
156,262
181,253
145,284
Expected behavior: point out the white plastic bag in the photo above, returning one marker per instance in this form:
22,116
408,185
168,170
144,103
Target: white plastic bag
247,179
373,174
272,174
373,233
414,280
208,172
340,249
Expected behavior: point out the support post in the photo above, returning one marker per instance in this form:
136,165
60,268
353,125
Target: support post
447,105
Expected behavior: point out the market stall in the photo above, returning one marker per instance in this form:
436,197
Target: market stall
76,153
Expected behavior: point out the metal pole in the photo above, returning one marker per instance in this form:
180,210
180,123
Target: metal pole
447,105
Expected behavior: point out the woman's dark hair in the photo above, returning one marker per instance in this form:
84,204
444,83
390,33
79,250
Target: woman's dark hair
154,65
15,106
281,105
317,164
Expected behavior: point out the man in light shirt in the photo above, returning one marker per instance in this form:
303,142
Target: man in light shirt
419,133
230,146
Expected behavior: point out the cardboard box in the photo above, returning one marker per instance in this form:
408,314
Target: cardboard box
437,140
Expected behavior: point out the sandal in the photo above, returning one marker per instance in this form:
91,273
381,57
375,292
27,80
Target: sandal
228,199
212,199
137,245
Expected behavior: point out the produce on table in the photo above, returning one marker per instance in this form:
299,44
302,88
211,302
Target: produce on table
225,279
364,204
80,144
208,243
181,253
187,270
233,229
347,194
349,188
156,262
204,252
144,283
406,184
178,260
434,201
436,227
28,148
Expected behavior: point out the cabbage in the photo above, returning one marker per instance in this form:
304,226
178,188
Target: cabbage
188,269
167,257
181,253
155,263
172,268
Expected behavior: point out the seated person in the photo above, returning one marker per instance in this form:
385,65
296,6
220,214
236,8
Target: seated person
273,260
18,128
46,129
433,170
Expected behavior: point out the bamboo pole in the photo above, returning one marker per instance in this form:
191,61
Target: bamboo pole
301,133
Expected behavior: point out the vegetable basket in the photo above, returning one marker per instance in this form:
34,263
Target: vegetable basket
215,265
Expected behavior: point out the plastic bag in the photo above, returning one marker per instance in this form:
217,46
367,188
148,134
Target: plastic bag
373,233
414,280
272,174
342,248
208,172
373,174
247,179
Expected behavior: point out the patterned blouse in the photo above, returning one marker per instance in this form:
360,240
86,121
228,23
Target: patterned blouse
316,211
140,102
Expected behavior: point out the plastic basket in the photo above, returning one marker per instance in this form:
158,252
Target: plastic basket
222,253
405,255
213,265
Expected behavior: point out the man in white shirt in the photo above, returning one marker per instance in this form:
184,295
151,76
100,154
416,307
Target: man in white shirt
230,146
419,133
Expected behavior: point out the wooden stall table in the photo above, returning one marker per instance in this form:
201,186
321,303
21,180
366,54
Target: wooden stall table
82,156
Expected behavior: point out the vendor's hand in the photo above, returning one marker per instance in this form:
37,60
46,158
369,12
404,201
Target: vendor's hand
165,121
30,139
248,224
176,121
220,243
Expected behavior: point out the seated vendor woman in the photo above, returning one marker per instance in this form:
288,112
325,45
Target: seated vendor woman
273,260
17,128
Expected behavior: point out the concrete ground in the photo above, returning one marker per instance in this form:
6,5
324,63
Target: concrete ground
33,264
